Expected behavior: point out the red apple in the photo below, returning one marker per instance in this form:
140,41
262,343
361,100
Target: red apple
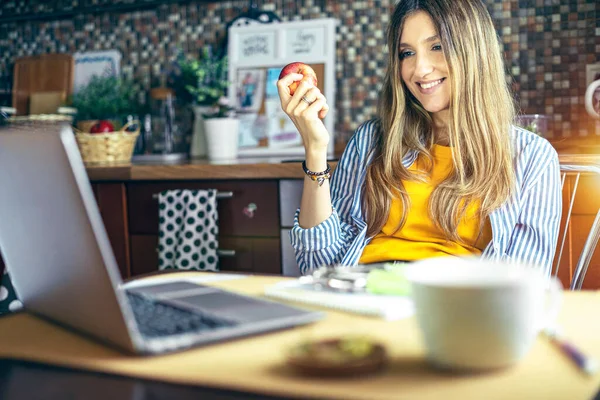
102,127
299,68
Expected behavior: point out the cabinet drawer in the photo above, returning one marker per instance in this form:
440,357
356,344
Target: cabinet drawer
259,255
289,266
290,194
112,205
233,221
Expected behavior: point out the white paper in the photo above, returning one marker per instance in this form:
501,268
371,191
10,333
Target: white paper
384,306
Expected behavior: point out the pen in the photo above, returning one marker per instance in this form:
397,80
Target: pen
587,364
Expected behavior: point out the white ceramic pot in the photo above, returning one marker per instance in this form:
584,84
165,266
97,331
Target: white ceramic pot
222,138
198,147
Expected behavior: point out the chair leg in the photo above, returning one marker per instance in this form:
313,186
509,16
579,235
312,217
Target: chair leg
586,254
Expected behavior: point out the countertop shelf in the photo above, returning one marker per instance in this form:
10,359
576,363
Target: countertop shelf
268,168
251,168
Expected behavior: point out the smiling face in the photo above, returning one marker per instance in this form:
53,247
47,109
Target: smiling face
423,66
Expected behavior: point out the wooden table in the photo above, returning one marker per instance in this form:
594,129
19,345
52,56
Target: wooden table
256,364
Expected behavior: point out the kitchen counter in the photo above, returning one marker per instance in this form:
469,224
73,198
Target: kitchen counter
245,168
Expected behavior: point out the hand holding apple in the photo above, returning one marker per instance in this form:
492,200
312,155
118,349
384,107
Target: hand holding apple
299,68
306,106
290,77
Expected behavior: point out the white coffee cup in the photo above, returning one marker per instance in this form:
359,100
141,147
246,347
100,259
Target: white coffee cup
477,314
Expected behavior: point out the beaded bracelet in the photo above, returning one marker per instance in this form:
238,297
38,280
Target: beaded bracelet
319,177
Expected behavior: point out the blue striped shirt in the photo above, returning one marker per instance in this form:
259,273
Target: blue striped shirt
524,229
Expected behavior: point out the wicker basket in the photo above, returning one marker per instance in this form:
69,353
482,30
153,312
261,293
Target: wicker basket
41,118
108,148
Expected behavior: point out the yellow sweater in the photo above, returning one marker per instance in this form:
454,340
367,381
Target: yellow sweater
419,238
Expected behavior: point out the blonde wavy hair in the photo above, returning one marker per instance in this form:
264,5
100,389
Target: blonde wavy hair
481,114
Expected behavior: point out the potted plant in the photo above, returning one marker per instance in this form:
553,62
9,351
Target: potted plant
201,82
104,98
221,129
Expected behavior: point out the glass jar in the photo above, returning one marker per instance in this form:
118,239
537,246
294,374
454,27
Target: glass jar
169,124
535,123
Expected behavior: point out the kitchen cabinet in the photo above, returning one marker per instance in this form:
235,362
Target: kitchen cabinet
248,241
112,202
290,194
242,254
233,221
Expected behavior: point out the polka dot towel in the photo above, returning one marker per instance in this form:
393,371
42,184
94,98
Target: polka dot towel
188,229
8,298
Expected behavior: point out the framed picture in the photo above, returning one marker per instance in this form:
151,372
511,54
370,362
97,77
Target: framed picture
250,89
256,55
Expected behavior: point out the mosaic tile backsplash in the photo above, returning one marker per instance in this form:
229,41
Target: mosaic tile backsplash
547,45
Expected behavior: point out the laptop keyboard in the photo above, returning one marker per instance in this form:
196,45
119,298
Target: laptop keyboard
157,319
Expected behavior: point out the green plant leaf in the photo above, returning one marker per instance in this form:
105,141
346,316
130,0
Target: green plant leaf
106,98
203,79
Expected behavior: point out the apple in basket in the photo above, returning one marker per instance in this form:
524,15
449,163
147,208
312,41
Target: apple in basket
102,127
299,68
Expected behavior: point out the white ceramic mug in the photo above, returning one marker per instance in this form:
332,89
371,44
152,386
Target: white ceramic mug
477,314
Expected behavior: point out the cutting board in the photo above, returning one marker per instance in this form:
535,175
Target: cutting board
46,102
41,73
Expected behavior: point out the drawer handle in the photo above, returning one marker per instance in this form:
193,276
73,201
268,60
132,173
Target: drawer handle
226,253
249,210
220,195
220,253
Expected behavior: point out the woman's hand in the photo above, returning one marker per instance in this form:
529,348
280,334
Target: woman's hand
306,117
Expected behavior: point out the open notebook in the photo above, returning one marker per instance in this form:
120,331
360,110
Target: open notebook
388,307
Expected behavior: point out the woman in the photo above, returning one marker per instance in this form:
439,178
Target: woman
442,170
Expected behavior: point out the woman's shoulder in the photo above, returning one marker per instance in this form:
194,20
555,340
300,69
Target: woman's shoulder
363,138
364,134
533,155
525,141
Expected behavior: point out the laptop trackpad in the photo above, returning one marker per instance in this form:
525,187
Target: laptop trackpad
239,308
218,302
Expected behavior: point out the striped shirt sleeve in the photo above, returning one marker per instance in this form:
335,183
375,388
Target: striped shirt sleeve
535,235
328,242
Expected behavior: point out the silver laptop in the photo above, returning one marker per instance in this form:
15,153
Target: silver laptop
62,266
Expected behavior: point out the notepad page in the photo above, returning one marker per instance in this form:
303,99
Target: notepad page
388,307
